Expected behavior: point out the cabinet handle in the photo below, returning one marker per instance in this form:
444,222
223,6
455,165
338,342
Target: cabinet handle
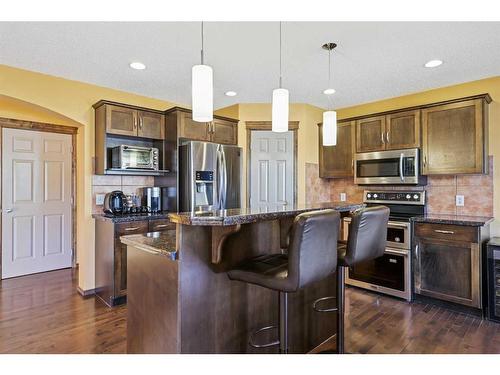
425,161
382,137
135,123
387,137
131,229
444,231
140,122
213,127
161,226
416,252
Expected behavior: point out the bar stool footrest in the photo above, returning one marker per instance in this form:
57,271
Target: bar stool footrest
266,345
320,300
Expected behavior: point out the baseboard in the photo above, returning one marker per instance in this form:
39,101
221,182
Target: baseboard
85,293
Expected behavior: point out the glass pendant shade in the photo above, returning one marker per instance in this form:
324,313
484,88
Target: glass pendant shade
280,110
329,128
202,93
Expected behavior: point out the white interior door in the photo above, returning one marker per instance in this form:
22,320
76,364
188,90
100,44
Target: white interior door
36,202
272,158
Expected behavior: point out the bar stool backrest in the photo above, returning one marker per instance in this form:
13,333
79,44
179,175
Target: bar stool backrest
367,234
312,253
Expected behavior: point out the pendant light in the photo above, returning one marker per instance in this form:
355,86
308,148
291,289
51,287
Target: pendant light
202,89
280,105
330,116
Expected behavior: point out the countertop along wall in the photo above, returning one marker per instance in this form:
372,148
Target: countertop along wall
31,96
448,184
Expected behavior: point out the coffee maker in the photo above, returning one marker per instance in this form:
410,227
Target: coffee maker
152,198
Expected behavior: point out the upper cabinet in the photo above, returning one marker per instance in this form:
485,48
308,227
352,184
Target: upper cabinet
388,132
370,133
455,138
337,161
131,121
220,130
402,130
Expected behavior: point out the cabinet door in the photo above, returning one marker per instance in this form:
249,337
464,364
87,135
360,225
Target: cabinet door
403,130
448,270
453,138
337,161
190,129
121,120
120,264
223,131
151,125
370,134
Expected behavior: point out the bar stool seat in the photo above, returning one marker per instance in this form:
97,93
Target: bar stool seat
312,256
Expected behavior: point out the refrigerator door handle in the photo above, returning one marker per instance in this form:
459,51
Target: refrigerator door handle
224,177
218,181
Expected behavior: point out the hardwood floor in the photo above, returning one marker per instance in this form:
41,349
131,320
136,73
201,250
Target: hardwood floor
44,314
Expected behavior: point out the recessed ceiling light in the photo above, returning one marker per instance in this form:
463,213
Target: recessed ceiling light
137,65
230,93
433,63
329,91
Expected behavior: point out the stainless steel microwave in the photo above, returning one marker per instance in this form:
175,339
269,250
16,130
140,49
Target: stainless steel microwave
396,167
135,157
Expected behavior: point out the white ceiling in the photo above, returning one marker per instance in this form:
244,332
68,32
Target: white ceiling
373,60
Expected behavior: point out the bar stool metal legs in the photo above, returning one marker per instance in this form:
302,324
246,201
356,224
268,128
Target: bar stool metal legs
283,322
341,309
282,326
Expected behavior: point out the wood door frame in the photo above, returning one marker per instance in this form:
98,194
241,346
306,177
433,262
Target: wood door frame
267,126
48,128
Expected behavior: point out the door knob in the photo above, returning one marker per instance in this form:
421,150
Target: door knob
9,210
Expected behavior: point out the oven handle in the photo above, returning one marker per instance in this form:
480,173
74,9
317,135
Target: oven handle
401,173
396,252
398,225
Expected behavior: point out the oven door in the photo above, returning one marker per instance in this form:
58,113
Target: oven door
387,274
137,158
399,167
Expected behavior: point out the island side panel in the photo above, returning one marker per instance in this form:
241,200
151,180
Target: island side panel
217,314
152,307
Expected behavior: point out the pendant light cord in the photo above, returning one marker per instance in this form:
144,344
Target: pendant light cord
281,81
330,97
202,60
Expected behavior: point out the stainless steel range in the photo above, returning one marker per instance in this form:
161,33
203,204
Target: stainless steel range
391,273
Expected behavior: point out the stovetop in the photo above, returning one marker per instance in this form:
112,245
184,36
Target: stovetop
403,204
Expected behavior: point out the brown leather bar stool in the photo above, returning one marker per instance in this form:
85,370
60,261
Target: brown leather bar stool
366,241
312,256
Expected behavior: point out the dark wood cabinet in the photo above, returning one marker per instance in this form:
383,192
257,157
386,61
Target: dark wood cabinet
402,130
455,138
220,130
448,262
151,125
370,134
111,255
132,121
338,161
120,120
394,131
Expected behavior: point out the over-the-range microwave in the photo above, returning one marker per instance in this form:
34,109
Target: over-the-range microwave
395,167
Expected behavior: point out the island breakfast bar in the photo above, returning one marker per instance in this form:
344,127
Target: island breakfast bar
180,299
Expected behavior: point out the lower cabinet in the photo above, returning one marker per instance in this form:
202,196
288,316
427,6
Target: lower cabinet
448,263
111,255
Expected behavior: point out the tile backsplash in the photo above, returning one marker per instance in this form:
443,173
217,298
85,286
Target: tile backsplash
441,191
127,184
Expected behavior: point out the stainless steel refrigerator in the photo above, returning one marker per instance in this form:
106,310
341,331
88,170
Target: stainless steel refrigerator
209,176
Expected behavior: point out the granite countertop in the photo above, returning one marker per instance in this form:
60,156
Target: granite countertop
125,218
251,215
472,221
159,243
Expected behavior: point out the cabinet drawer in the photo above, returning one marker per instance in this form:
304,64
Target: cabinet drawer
160,224
133,227
447,232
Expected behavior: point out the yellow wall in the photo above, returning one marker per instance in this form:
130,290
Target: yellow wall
490,85
33,96
307,149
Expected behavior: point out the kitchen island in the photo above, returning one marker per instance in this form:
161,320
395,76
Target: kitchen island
180,299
